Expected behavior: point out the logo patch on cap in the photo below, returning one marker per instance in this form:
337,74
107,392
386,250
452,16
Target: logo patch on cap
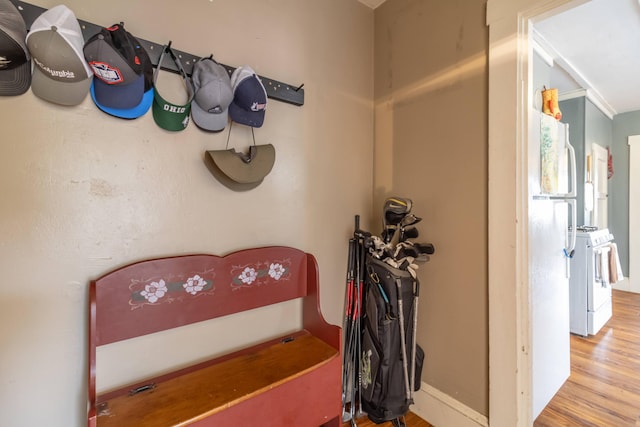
65,74
105,72
258,107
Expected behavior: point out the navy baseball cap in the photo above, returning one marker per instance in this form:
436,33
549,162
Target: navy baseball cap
122,84
249,98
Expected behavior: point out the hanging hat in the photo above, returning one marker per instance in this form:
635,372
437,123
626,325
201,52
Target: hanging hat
122,84
245,168
168,115
212,95
239,171
249,98
60,73
15,62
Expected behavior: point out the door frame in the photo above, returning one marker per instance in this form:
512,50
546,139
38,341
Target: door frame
510,85
633,282
598,153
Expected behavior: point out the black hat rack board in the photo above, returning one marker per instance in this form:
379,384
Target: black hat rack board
184,63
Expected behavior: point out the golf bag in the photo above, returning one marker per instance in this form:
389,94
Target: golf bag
382,364
391,361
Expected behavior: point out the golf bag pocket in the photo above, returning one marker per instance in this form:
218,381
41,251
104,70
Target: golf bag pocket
419,364
370,365
375,338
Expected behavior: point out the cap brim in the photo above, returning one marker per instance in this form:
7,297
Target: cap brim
225,180
170,120
236,166
250,118
63,93
214,122
119,96
15,81
131,113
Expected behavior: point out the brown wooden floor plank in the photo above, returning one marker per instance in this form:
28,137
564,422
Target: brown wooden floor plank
604,387
412,420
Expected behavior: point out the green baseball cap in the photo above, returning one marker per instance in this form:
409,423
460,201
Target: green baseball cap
168,115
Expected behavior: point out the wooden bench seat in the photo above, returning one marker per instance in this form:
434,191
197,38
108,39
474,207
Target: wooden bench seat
292,380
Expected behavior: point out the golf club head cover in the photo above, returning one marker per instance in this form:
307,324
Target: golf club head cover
409,233
425,248
395,209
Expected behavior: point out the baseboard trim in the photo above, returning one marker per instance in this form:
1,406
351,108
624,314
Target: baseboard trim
442,410
622,285
626,284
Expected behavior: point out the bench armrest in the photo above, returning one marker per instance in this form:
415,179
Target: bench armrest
312,319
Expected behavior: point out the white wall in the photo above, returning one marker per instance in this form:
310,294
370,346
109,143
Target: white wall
84,193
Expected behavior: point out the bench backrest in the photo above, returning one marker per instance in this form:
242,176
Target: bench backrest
165,293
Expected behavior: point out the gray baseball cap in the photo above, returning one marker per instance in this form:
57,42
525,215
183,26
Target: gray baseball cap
15,62
213,95
60,73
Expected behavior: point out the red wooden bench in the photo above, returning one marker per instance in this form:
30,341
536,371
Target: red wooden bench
293,380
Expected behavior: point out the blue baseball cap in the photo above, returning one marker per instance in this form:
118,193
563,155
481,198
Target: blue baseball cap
123,74
127,113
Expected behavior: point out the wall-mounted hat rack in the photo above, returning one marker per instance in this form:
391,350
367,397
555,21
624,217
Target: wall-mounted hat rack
276,90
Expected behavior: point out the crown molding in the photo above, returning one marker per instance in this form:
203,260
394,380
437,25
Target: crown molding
548,52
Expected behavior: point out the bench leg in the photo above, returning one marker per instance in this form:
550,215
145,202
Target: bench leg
336,422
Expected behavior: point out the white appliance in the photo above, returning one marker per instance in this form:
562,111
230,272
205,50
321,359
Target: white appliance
552,184
590,289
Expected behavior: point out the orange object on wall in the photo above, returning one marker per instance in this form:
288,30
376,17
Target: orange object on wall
550,103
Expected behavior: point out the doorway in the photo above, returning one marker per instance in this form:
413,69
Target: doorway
510,24
509,292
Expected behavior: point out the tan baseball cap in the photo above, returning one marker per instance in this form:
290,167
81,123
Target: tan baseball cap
60,73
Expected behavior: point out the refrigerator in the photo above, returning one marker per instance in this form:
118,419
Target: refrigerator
552,209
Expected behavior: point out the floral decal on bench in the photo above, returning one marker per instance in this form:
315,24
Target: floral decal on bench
157,291
259,274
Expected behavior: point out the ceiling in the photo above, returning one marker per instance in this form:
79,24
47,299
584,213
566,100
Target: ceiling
596,47
372,3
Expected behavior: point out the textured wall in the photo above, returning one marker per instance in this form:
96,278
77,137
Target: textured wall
431,146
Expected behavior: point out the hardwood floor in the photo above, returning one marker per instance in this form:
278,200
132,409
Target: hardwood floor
604,387
412,420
